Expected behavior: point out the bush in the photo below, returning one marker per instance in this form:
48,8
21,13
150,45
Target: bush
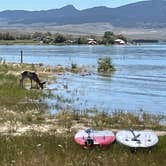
73,66
81,40
109,38
59,38
105,65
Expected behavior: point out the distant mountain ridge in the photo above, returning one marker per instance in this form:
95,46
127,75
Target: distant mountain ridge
148,14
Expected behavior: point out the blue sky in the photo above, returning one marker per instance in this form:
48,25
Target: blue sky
53,4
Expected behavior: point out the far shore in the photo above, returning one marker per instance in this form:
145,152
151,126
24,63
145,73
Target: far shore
48,38
32,42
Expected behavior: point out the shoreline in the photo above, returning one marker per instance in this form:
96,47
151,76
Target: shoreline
8,43
35,118
51,129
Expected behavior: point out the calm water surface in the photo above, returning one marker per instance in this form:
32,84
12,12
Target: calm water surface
138,83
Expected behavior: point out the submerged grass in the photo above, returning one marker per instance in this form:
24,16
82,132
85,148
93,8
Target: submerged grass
49,150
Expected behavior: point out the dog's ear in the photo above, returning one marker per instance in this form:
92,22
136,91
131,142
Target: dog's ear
44,82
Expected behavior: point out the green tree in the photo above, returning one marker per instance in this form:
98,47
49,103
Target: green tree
38,35
23,37
109,38
7,36
81,40
47,40
59,38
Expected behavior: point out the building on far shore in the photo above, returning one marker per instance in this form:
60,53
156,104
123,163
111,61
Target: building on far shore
120,41
92,41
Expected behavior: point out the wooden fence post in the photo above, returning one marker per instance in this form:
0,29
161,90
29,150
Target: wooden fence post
21,56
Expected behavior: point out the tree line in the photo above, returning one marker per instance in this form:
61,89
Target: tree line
10,36
49,38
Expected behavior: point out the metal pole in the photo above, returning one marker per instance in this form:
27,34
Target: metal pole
21,56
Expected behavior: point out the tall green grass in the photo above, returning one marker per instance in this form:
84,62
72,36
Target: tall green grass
13,96
11,93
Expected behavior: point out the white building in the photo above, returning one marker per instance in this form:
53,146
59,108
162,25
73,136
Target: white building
120,41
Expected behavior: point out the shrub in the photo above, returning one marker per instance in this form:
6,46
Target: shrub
81,40
73,66
109,38
105,65
59,38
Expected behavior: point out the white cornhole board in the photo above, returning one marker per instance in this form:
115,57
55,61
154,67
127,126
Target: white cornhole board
144,139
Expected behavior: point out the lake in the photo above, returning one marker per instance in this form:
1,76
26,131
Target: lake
139,81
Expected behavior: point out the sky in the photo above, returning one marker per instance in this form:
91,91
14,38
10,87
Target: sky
54,4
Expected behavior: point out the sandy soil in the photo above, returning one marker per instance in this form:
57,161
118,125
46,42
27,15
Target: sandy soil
18,129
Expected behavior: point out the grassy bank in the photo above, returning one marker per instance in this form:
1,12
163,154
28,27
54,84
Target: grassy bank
51,150
24,107
12,96
11,42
